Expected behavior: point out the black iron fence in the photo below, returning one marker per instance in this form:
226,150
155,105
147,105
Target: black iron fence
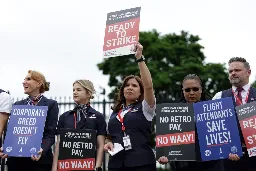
100,104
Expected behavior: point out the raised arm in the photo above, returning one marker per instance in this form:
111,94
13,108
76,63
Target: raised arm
145,76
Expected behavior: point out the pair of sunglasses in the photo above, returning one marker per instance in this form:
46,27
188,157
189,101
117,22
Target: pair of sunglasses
195,89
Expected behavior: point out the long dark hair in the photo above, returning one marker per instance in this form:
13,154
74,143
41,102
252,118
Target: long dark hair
204,96
120,99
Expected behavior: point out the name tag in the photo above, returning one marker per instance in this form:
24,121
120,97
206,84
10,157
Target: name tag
127,142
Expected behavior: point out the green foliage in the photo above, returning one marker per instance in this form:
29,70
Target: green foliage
254,84
169,58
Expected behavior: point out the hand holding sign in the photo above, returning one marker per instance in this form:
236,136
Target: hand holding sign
2,155
36,158
138,48
163,160
233,157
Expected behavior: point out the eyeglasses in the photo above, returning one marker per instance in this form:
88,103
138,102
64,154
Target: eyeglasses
195,89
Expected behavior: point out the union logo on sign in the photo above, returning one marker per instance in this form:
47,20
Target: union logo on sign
207,152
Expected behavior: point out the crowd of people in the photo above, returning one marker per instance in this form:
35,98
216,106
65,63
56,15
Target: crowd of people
128,125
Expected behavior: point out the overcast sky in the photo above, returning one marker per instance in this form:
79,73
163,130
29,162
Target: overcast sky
63,39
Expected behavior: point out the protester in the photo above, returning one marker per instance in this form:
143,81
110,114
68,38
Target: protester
192,92
130,123
83,116
241,93
34,86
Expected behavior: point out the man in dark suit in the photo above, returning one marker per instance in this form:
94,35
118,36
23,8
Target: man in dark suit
241,92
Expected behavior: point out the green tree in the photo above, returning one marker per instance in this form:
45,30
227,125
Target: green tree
254,84
169,57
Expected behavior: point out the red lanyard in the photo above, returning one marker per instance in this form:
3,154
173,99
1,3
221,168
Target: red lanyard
246,99
121,119
75,120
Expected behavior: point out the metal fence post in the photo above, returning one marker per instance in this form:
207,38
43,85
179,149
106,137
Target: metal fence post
104,114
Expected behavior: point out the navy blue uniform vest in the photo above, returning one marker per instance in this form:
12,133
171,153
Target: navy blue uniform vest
139,130
251,97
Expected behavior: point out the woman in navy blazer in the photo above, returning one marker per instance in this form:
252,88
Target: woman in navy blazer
130,123
34,86
83,116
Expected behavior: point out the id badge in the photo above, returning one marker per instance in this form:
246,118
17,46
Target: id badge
127,142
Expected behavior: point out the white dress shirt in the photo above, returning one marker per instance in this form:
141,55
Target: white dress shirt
244,93
5,102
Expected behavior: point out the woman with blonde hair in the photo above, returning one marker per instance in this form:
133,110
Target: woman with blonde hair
34,86
80,118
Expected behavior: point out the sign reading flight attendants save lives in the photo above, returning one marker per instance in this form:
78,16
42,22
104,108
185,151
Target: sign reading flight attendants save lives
175,131
77,149
122,32
25,130
217,129
247,119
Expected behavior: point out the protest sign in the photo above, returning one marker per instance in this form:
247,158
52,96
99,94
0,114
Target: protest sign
122,32
247,119
25,130
217,129
77,149
175,131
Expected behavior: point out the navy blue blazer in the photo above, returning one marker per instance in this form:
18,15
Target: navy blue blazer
139,130
50,127
95,121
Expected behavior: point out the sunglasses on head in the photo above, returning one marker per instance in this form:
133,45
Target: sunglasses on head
189,89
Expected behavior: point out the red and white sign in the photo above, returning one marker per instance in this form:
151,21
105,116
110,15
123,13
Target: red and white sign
76,164
122,32
175,139
247,120
248,127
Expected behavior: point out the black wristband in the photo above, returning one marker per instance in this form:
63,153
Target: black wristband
98,169
142,58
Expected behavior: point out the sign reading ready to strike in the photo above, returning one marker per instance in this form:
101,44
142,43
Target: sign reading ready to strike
122,32
175,131
25,130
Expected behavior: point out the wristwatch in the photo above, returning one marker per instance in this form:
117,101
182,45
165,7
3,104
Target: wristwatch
98,169
142,58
